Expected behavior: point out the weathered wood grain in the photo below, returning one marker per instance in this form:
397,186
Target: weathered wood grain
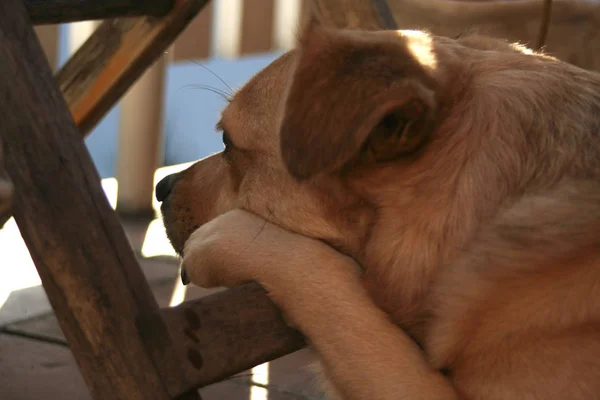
61,11
355,14
79,248
114,57
225,333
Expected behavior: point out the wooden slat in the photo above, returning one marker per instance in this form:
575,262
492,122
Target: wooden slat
384,14
194,42
307,9
114,57
257,26
62,11
354,14
225,333
48,37
79,248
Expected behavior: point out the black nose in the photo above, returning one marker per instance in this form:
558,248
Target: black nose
164,187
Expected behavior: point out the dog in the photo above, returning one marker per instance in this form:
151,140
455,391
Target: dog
425,210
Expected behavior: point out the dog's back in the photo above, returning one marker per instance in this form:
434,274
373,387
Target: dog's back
520,312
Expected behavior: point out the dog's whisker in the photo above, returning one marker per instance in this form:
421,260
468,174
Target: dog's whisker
198,63
212,89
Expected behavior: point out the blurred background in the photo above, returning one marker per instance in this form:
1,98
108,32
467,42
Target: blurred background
232,38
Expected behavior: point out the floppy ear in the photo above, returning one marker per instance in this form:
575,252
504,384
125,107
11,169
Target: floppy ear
354,95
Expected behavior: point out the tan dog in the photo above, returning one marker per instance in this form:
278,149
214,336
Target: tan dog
425,210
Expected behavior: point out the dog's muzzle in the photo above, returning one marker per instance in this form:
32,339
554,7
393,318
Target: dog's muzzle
163,190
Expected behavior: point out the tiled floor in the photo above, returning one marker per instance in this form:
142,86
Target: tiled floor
35,361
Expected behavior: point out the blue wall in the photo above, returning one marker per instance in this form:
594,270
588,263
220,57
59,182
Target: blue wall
190,112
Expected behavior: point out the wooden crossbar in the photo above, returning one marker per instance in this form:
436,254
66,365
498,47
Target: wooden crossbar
224,334
62,11
114,57
355,14
79,248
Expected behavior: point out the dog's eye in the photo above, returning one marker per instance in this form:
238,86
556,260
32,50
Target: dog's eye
227,142
396,136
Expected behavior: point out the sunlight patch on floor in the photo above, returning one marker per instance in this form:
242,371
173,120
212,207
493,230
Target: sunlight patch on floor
156,242
111,189
17,270
178,295
260,374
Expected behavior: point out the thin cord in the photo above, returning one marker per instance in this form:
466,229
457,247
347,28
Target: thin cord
545,25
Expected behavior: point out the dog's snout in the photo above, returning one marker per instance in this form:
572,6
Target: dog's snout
164,187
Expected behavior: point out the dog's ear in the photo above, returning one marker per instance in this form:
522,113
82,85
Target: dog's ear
356,95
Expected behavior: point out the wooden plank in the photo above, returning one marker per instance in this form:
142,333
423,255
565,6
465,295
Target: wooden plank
114,57
257,26
355,14
80,250
62,11
384,14
194,42
48,36
225,333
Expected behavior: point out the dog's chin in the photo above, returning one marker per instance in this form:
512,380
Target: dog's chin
178,249
176,242
175,236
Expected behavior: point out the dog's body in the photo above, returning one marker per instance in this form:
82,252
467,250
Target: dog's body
453,189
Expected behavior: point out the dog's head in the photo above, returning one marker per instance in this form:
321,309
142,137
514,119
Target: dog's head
393,147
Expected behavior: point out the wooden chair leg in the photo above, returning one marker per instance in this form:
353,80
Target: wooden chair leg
6,191
80,250
62,11
118,52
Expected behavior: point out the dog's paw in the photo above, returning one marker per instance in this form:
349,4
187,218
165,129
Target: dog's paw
239,247
215,254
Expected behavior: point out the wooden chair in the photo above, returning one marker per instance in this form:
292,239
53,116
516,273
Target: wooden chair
125,346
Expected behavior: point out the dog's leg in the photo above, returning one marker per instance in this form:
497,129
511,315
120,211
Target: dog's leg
364,354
